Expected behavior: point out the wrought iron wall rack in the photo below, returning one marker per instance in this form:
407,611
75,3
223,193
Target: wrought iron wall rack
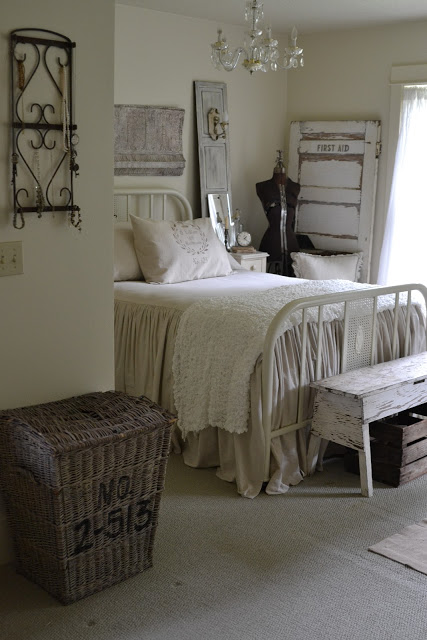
43,130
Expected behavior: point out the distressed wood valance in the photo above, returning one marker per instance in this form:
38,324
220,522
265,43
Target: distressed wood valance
148,141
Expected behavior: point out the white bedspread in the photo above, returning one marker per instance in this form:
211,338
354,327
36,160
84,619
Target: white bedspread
182,294
219,341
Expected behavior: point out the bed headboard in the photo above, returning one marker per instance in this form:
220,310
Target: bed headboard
155,203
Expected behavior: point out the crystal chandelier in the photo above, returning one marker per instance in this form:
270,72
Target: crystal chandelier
260,49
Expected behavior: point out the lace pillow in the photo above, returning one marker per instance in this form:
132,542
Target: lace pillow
175,251
126,265
337,267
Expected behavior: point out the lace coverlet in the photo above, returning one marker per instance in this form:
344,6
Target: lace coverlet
218,343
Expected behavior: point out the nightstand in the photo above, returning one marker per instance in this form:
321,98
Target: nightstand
256,261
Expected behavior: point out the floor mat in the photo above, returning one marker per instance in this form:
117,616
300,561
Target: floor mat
409,547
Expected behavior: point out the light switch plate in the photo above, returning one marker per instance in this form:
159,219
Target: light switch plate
11,263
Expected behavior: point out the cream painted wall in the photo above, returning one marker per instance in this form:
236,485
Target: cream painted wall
158,57
346,77
56,323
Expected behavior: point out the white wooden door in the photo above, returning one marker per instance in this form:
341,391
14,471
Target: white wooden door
336,165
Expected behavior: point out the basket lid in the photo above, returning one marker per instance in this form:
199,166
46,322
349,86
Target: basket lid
90,418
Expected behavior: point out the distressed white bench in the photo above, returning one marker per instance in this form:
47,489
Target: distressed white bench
345,405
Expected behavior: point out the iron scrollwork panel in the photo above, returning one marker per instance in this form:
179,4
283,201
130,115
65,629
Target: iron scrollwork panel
44,136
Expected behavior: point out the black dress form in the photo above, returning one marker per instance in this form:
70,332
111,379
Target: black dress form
269,194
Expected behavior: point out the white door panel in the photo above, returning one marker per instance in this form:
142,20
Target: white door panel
334,128
338,221
334,145
336,165
323,194
331,173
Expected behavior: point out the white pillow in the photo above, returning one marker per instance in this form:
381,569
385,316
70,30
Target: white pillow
337,267
176,251
126,265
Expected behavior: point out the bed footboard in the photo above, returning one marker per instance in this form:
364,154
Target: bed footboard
358,346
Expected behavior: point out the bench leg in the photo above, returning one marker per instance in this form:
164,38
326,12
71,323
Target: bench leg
316,450
365,466
313,453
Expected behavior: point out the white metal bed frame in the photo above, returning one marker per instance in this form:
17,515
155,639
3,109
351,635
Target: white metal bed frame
165,196
358,344
358,327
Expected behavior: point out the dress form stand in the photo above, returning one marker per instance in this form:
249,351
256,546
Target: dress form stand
279,197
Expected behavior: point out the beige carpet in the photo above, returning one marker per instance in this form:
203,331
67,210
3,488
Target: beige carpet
291,567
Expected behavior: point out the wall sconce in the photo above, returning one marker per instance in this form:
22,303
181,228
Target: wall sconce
216,128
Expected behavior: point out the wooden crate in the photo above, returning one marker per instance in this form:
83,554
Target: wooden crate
398,447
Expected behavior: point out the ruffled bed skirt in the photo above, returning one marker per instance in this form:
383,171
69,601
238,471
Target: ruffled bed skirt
144,344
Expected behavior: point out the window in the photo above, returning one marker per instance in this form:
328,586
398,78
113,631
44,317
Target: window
404,251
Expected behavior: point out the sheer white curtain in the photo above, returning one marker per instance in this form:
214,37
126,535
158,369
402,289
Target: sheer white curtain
404,251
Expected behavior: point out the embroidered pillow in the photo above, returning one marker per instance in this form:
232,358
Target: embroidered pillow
337,267
126,265
175,251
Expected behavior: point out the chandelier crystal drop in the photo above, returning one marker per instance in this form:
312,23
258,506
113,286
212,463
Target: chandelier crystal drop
260,49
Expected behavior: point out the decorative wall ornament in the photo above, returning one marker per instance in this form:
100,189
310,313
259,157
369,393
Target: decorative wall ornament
43,130
217,124
148,140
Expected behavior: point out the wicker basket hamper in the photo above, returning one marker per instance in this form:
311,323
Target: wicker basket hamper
82,480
